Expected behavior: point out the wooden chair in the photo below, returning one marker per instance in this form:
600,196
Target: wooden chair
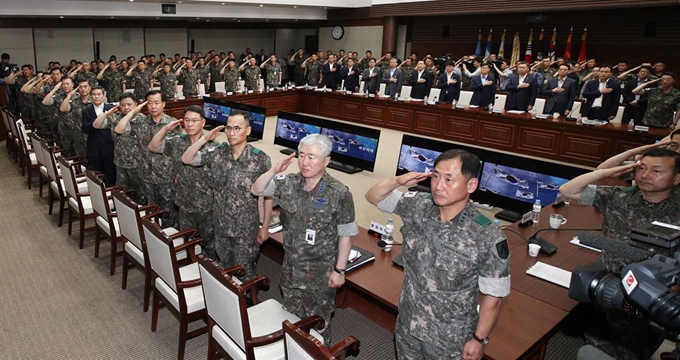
135,253
56,188
241,332
300,345
79,200
106,222
29,161
9,143
176,287
43,177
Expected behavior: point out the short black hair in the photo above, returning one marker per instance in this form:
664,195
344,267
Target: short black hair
663,153
97,88
450,63
126,95
55,68
195,108
27,66
65,77
470,164
675,132
82,80
154,92
669,74
4,56
246,115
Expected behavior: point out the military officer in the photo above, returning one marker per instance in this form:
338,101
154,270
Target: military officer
193,188
203,74
127,153
214,70
189,78
19,81
662,101
231,76
53,99
114,79
313,67
72,114
233,167
451,253
317,213
141,78
251,73
273,69
167,80
299,72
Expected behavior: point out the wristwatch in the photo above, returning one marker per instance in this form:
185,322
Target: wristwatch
481,341
341,272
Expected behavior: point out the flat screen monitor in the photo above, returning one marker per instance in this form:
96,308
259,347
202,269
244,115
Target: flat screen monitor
514,183
354,146
418,154
218,110
291,128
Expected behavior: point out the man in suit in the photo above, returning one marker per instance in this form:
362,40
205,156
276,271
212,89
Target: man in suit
560,92
331,73
392,78
449,83
523,88
351,76
636,104
483,88
602,96
371,76
99,150
421,82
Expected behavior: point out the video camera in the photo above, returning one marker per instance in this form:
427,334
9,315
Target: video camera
441,61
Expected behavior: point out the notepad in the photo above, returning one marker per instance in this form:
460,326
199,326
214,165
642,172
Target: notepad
577,242
550,273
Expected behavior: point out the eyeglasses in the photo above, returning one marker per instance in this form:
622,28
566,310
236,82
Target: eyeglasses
192,121
235,129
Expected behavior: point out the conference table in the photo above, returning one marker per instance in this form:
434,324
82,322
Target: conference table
529,315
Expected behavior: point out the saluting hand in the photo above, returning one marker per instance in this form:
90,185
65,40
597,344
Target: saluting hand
173,125
139,107
412,178
112,110
214,133
282,165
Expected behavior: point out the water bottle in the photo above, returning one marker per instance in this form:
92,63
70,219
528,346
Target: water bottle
453,104
631,125
396,97
388,236
425,100
536,212
579,120
490,108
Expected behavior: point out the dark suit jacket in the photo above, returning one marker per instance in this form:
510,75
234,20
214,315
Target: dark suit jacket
351,81
482,95
449,92
521,98
559,102
98,140
392,88
371,85
331,79
628,95
610,102
421,90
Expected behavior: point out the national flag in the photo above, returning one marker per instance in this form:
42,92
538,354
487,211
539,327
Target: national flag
487,53
551,51
582,55
540,47
514,57
501,50
567,50
528,55
478,50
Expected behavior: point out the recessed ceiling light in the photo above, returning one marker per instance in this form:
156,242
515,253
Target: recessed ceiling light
198,18
61,17
113,17
222,3
179,2
132,0
234,19
239,21
325,7
295,7
295,19
261,5
208,20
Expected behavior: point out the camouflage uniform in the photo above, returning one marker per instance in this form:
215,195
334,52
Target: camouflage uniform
384,66
546,74
48,113
236,213
273,72
193,190
363,64
231,79
155,169
314,72
203,73
612,331
251,76
660,106
142,81
299,71
74,121
167,83
189,81
214,70
406,72
90,76
22,98
114,84
328,209
127,155
446,265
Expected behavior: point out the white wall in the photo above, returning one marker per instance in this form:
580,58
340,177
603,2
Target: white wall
18,43
120,42
357,38
235,40
63,45
287,39
168,41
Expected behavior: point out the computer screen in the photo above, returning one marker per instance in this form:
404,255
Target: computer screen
352,145
519,184
291,128
217,112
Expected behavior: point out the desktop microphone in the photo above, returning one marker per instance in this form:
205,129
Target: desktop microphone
547,247
614,246
382,244
573,111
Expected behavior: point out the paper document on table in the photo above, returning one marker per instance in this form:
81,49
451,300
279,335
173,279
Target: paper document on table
353,256
551,273
577,242
518,112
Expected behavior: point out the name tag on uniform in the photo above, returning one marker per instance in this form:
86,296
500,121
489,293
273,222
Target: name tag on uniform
410,194
320,203
310,236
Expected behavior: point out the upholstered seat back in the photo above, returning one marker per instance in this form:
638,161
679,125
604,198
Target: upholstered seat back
98,195
160,254
294,351
128,219
69,178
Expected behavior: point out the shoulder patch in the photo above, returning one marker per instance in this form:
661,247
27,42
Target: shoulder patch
410,194
502,249
220,145
630,188
280,176
482,220
183,135
256,151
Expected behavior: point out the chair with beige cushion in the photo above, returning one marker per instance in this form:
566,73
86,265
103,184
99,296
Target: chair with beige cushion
79,201
300,345
56,188
240,332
